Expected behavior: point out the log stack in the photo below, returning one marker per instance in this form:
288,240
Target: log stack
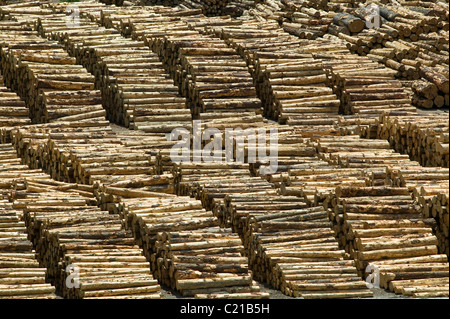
307,23
213,7
86,251
383,227
412,40
21,276
436,206
289,81
13,110
187,250
53,87
237,8
429,186
364,87
313,266
206,262
119,65
423,138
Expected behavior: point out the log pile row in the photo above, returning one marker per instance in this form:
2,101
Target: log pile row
423,138
207,182
89,153
307,23
413,42
206,263
437,207
86,251
383,230
187,250
237,8
352,152
363,86
312,267
290,82
199,57
152,104
68,234
429,186
13,110
119,190
21,277
211,7
192,59
50,82
267,10
295,251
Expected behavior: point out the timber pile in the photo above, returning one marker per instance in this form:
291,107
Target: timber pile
211,7
191,59
267,10
233,91
352,152
437,207
199,257
313,266
89,153
289,81
205,262
53,87
364,87
237,8
412,40
72,237
423,138
13,111
196,180
119,65
383,227
429,187
21,277
307,23
314,181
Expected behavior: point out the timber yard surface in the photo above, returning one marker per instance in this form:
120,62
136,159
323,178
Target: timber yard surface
95,95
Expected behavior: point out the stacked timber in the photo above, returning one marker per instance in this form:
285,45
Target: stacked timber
412,41
267,10
186,248
314,181
238,208
429,187
206,262
53,87
290,82
86,251
196,180
437,207
192,58
304,5
307,23
382,229
232,91
21,276
424,138
363,86
313,266
352,152
119,65
213,7
237,8
439,76
13,110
